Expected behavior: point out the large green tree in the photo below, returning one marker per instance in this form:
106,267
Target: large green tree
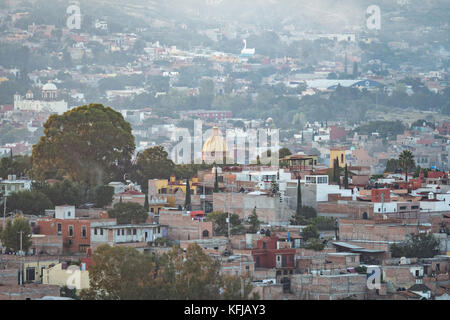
153,163
10,236
416,246
220,224
65,192
128,212
91,144
17,165
122,273
29,202
103,196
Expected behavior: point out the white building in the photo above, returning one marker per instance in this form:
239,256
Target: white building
108,232
12,184
49,101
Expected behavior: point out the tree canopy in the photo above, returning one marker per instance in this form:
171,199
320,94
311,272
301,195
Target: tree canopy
128,212
11,235
122,273
89,144
153,163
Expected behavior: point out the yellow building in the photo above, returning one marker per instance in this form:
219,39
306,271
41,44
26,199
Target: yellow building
72,276
34,270
162,192
215,148
338,153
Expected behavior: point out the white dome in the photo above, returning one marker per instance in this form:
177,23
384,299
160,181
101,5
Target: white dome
49,87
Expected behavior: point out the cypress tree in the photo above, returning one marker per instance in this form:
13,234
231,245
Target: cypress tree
346,177
216,183
146,204
299,197
187,201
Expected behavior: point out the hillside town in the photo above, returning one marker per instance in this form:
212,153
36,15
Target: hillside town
351,203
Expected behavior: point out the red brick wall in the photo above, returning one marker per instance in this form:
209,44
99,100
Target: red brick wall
376,195
49,226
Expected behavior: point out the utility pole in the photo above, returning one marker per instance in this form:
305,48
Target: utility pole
228,220
4,212
21,261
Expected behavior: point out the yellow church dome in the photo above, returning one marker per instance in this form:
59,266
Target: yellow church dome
215,144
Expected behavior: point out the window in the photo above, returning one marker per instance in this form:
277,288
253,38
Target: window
95,231
123,232
101,232
59,228
83,232
70,231
264,245
118,232
30,273
134,232
257,262
402,208
128,232
68,213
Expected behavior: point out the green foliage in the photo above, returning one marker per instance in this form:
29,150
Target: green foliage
65,291
406,162
187,201
29,202
61,193
417,246
104,196
11,235
284,152
128,212
18,165
254,222
302,216
216,181
386,129
89,144
220,224
315,244
392,165
323,223
346,177
153,163
122,273
146,204
310,232
361,269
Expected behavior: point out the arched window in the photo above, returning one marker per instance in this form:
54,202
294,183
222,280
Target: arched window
365,217
205,234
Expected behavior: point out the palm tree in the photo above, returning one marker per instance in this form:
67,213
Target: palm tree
406,162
